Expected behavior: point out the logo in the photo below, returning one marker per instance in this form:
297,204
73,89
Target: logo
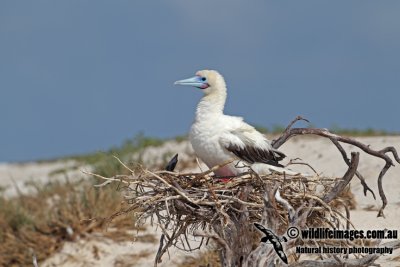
273,239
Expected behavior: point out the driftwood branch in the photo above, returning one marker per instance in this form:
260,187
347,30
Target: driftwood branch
340,186
346,159
337,139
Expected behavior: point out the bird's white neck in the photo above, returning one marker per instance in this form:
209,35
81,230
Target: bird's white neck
211,104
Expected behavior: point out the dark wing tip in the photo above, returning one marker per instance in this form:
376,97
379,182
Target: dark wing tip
253,154
172,164
278,155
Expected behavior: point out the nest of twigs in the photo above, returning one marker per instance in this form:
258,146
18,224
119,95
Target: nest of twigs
198,205
199,199
187,205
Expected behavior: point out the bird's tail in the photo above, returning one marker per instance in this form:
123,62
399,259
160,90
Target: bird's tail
278,155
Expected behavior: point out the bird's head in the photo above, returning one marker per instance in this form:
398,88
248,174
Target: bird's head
209,81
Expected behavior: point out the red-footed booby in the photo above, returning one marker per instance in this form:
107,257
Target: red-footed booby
217,138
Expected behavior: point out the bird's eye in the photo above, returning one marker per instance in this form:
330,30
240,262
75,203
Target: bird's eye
203,79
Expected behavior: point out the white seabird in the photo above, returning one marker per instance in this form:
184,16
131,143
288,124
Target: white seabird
217,138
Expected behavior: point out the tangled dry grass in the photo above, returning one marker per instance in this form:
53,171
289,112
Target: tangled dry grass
39,224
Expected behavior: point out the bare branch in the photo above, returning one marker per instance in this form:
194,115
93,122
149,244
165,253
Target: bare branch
339,187
290,132
346,159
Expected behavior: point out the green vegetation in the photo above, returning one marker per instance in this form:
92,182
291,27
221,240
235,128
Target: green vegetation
360,132
129,147
278,129
105,164
181,138
275,129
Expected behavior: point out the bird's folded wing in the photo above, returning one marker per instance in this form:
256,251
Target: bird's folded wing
250,146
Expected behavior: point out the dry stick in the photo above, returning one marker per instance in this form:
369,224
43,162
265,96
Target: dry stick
111,179
298,118
178,230
286,204
380,189
348,222
218,239
346,159
124,165
159,252
289,132
292,162
355,158
173,187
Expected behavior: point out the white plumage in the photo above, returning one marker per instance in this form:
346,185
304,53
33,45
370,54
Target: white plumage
217,138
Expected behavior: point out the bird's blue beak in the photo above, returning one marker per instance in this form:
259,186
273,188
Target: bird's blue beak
195,81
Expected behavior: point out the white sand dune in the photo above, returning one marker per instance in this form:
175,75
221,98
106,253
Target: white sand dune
15,177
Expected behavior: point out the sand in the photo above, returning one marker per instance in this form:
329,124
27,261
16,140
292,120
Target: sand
16,177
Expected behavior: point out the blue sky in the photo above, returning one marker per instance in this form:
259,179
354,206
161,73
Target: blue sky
79,76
